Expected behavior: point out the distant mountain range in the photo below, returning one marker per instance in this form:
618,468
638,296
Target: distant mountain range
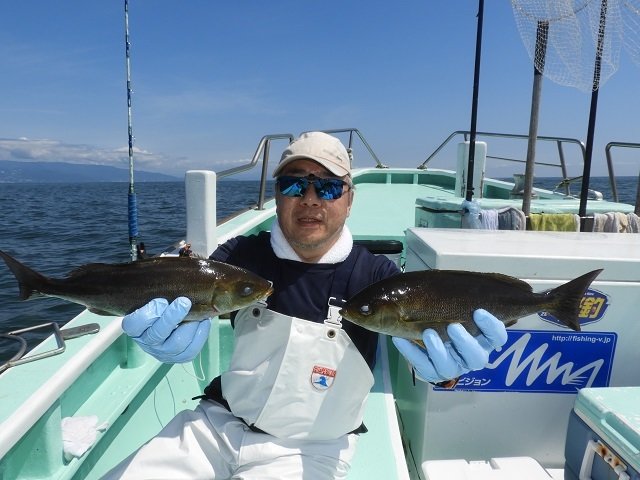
60,172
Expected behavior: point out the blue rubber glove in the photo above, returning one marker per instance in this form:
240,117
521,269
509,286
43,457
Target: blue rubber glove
155,327
446,361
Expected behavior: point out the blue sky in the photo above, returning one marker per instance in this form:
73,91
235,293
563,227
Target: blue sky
210,78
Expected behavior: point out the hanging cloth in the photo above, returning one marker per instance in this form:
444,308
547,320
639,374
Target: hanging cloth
511,218
634,223
557,222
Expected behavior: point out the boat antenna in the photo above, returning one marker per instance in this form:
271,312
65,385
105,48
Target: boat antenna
132,201
474,104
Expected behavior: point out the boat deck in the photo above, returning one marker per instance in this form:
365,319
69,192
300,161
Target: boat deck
387,220
411,191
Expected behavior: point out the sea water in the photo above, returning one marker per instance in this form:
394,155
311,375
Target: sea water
56,227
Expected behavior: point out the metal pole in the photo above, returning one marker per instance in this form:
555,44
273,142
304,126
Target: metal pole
132,201
586,172
542,32
474,103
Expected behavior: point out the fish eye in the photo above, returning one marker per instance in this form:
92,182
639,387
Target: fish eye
246,291
365,310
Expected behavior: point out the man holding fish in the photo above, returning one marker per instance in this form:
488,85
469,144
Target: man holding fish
292,401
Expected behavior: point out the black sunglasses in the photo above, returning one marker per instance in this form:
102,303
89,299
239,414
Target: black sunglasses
326,188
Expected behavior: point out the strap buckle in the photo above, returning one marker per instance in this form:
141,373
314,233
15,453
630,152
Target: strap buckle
333,315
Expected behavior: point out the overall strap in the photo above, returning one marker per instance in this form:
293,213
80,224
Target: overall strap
341,279
342,276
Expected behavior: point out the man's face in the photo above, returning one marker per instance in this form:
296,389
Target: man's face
312,225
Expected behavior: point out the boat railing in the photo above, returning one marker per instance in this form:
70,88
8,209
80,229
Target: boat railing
350,143
264,147
559,141
612,176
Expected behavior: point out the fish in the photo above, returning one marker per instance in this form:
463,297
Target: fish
406,304
214,288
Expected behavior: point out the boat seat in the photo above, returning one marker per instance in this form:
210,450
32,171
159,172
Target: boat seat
382,246
390,248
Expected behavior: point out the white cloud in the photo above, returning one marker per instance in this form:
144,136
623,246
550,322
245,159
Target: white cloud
233,163
46,150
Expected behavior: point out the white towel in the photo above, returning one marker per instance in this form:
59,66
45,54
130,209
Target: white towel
79,434
615,222
623,222
605,222
337,253
489,219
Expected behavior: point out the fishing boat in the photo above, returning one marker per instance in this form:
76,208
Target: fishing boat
551,403
511,417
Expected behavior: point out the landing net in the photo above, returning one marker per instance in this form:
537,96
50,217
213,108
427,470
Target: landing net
630,10
575,30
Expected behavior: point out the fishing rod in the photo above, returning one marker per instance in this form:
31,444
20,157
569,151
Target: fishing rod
586,172
474,103
131,197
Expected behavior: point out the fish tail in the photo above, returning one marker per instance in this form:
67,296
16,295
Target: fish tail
566,299
28,280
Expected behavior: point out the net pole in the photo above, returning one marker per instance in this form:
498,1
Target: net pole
542,33
474,103
586,172
131,197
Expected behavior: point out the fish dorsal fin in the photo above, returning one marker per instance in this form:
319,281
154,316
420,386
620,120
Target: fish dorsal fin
97,311
516,282
91,267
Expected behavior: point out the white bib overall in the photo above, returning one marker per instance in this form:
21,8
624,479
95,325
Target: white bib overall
293,378
302,382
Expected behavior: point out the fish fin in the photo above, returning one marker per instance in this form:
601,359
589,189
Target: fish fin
420,343
98,311
484,276
509,323
566,299
91,268
448,384
29,281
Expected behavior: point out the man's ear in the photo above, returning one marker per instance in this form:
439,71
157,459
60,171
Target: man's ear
350,193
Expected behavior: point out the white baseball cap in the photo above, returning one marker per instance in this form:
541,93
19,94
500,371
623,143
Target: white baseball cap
320,147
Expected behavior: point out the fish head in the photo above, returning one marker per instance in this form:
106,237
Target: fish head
379,314
238,289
